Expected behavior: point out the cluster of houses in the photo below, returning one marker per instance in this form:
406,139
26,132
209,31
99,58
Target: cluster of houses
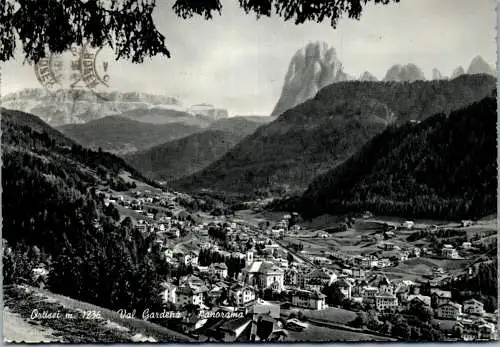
211,290
379,292
286,225
301,284
268,268
169,224
391,255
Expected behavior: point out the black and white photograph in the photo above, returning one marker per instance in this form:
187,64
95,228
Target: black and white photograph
249,171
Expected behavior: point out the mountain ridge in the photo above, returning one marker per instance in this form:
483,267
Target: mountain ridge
54,214
72,106
311,138
175,159
119,134
443,167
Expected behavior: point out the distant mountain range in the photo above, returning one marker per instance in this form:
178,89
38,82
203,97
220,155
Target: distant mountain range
317,135
118,134
444,167
81,106
185,156
317,65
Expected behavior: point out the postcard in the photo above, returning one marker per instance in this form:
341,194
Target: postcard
249,171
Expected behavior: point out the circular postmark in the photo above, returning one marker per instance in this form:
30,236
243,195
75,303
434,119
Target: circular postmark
83,70
92,70
49,72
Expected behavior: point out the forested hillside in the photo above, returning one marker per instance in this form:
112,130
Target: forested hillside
444,167
120,135
285,155
175,159
52,215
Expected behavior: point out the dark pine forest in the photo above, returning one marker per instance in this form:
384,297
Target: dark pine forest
444,167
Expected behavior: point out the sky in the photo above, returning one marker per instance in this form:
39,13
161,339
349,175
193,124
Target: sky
237,62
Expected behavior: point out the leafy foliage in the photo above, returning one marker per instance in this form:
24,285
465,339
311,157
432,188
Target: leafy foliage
334,295
481,285
234,264
127,25
299,12
54,26
444,167
284,156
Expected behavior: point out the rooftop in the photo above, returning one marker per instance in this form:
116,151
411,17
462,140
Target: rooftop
318,273
219,266
306,294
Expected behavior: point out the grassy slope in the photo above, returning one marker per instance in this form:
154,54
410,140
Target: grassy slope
111,329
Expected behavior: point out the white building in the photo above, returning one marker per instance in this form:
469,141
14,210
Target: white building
473,306
408,224
386,302
169,294
264,275
449,311
241,294
189,296
191,259
368,294
466,245
449,252
308,299
220,269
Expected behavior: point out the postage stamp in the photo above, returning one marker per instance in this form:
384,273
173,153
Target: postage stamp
285,172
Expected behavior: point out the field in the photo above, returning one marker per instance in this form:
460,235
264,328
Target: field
418,268
251,218
331,314
362,239
189,243
316,333
366,237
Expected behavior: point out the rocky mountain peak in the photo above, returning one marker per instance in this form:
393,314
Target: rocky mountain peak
480,66
459,71
312,67
367,77
437,75
404,73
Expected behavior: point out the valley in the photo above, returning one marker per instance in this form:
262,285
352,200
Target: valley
365,212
